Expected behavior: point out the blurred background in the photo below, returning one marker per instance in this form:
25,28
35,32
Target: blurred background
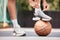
25,13
54,5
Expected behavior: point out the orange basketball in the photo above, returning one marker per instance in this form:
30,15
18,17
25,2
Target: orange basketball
42,28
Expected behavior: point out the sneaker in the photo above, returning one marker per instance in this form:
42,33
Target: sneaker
44,19
22,33
47,19
36,18
42,15
18,31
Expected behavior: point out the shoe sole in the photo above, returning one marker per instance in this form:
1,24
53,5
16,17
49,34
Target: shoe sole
18,34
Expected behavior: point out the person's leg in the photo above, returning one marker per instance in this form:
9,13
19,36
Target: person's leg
5,24
40,14
13,16
3,4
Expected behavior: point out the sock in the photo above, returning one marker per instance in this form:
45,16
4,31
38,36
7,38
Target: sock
15,22
16,25
36,11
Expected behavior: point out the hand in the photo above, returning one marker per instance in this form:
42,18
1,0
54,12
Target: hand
45,6
33,4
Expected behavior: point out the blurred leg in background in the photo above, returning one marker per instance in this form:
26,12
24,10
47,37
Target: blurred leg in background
3,18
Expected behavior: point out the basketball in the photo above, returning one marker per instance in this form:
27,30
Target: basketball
42,28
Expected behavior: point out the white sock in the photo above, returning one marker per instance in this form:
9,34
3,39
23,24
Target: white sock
16,25
36,9
15,22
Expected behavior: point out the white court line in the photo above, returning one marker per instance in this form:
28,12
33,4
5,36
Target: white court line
30,38
28,29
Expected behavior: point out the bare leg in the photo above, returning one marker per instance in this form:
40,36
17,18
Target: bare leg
12,9
13,16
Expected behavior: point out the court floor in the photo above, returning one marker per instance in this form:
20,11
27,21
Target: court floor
6,34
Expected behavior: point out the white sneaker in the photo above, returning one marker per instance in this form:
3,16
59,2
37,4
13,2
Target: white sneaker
18,31
36,18
46,19
41,14
22,33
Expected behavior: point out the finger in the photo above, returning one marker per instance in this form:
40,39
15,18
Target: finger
45,9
